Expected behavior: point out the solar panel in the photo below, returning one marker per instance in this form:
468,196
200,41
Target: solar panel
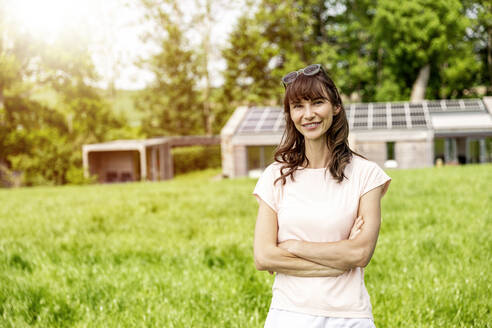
455,105
379,106
361,114
367,116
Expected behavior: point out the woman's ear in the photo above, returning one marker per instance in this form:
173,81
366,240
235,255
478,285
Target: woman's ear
338,109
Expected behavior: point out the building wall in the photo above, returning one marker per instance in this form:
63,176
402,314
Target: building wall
414,154
227,155
228,151
413,148
374,151
240,161
408,154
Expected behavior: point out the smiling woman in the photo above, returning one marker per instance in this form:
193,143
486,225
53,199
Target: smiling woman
319,212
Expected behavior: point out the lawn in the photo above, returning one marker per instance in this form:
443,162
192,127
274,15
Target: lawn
179,253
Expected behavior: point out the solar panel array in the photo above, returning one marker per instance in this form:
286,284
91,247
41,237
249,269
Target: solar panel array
367,116
458,105
262,119
372,116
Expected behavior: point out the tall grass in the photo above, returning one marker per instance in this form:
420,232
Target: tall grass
179,253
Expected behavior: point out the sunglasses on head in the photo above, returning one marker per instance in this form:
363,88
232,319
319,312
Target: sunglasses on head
308,71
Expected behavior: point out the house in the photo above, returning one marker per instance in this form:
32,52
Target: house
392,134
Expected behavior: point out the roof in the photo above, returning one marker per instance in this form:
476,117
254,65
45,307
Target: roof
424,115
137,144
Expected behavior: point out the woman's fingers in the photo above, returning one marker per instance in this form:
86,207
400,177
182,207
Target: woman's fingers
356,227
355,234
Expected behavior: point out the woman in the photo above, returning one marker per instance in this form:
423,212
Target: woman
319,212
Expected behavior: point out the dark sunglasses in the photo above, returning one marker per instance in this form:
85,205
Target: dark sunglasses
308,71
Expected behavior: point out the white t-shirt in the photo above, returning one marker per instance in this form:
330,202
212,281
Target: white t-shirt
316,208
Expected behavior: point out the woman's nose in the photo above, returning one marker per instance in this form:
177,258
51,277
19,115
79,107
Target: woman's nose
309,112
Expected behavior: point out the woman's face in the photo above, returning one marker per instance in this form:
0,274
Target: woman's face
312,118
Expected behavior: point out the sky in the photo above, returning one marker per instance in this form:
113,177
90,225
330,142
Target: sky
114,28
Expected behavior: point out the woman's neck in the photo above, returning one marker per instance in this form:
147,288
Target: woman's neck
317,153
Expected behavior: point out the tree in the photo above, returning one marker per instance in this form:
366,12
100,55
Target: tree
375,51
480,34
42,141
422,41
282,36
171,103
278,37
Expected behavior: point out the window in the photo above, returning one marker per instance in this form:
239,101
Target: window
439,149
390,150
259,157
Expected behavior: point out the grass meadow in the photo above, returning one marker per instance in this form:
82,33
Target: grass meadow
179,253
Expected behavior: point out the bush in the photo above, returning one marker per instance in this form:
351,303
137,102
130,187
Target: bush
75,175
186,159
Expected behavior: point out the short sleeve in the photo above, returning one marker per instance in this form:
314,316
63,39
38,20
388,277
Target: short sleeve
374,176
265,189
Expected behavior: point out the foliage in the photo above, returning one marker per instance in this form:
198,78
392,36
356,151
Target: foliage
181,99
43,140
171,103
374,50
480,34
187,159
412,34
179,253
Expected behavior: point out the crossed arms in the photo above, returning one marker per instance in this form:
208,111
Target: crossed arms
318,259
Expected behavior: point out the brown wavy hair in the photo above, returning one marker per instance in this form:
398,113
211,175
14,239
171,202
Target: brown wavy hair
291,151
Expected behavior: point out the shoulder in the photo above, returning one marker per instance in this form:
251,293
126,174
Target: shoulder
274,168
271,172
361,162
361,165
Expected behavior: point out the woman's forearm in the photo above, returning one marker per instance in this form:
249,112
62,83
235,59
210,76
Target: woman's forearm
278,260
342,255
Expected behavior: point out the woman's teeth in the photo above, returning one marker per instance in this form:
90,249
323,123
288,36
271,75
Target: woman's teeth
311,125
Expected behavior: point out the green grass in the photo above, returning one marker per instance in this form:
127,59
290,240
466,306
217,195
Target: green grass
179,253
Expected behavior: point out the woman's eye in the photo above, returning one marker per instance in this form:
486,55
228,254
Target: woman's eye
318,102
297,106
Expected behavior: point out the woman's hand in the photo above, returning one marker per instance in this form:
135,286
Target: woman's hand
356,228
291,244
288,245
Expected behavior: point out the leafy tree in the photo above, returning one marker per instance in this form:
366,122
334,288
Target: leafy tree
480,33
282,36
374,50
41,141
426,36
172,104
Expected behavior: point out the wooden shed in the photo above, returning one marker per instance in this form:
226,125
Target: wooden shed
134,160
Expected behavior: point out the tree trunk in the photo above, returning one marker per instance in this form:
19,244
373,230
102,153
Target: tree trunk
2,100
207,47
420,84
489,54
380,66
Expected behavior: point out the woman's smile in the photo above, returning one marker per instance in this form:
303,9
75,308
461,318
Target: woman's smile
311,126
